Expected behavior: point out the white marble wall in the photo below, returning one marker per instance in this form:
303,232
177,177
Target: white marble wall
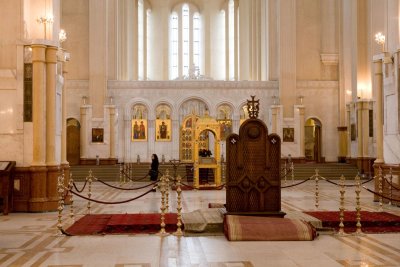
317,102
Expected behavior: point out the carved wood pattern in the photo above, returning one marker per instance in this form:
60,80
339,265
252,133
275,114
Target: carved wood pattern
253,170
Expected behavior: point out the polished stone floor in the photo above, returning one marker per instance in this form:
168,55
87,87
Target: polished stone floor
33,240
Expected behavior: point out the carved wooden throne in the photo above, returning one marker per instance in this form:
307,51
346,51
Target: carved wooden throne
253,184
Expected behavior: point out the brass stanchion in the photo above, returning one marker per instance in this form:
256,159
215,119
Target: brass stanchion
60,186
71,199
120,173
358,206
380,189
285,172
316,189
292,170
179,207
162,231
167,190
89,179
341,208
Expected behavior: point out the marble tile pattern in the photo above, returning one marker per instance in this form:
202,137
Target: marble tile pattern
32,239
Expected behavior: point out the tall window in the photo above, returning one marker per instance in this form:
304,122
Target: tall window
141,29
231,39
185,41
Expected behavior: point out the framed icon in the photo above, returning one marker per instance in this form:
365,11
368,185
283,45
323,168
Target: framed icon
139,130
163,130
97,135
288,134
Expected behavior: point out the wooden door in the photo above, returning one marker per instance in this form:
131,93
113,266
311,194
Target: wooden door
73,141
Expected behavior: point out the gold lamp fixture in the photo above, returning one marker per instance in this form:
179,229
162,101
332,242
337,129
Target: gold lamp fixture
45,20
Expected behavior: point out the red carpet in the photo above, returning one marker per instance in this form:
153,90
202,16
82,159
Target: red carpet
371,222
251,228
101,224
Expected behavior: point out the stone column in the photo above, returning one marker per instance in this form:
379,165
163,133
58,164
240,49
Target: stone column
64,162
274,119
38,168
53,167
348,119
97,56
112,132
84,130
287,55
379,108
362,135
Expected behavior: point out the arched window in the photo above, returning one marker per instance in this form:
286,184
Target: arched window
230,14
185,42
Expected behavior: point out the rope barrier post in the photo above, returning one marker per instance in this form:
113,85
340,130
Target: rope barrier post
60,186
179,207
292,170
162,231
89,179
130,169
120,172
380,189
71,199
285,172
358,206
316,189
167,190
390,186
341,208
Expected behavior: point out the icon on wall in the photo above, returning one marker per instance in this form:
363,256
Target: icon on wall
97,135
139,130
288,134
163,130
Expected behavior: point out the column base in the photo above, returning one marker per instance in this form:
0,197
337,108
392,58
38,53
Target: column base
53,173
38,194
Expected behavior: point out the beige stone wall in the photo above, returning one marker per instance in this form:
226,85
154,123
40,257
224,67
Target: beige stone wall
75,21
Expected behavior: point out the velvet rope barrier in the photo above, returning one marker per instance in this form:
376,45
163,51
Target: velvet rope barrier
109,203
123,188
309,178
349,185
83,188
134,180
380,195
391,184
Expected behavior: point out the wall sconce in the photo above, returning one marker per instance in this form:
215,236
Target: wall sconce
275,99
301,97
45,20
380,39
62,36
84,100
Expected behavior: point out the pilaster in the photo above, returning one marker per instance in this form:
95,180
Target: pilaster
378,85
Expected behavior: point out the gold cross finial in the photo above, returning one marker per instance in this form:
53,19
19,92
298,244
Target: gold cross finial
253,106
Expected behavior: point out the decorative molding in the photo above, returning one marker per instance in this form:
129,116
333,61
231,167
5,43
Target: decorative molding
114,84
317,84
330,59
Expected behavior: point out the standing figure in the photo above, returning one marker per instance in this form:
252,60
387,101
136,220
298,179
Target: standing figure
154,167
142,131
135,131
163,131
154,170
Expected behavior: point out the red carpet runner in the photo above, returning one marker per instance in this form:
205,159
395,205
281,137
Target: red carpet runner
101,224
371,222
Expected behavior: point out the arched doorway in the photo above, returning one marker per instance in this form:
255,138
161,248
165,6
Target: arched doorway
73,141
312,142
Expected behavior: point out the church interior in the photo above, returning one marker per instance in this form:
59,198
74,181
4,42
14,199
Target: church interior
288,97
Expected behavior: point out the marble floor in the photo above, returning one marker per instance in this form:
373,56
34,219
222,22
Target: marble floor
28,239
